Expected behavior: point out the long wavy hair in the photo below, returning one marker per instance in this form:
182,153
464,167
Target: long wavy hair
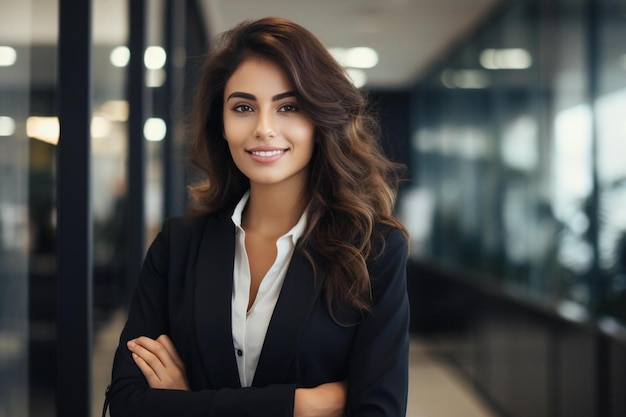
352,185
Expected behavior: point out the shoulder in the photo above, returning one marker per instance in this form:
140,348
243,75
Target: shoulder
388,242
389,259
181,228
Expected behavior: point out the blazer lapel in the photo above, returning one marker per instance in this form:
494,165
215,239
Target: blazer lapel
297,297
213,292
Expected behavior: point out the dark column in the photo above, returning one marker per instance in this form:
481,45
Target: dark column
74,211
136,148
186,44
173,155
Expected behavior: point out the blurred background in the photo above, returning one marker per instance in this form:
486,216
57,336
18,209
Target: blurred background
511,119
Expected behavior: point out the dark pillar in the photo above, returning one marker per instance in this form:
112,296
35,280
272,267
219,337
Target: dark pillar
74,232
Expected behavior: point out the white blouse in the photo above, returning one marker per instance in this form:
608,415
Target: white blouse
250,327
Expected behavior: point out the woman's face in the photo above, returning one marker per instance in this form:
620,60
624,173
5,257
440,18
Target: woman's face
270,139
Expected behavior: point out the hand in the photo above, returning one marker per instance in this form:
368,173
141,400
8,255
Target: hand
159,362
326,400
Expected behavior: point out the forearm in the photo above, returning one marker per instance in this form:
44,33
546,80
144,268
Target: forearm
326,400
134,401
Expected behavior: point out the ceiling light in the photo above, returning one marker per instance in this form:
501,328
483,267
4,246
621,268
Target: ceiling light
45,129
120,56
7,126
509,58
357,76
362,57
8,56
465,78
359,57
339,54
154,57
154,129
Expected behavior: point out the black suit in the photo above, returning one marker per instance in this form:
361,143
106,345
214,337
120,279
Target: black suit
185,291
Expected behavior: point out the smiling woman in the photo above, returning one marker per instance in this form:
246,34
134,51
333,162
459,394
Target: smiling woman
285,294
270,139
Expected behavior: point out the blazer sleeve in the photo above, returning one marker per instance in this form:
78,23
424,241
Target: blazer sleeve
378,371
130,394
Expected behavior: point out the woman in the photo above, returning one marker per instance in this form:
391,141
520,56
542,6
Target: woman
286,294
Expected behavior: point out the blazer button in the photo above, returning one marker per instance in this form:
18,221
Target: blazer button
239,352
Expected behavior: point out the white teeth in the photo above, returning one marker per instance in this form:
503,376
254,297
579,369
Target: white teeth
267,153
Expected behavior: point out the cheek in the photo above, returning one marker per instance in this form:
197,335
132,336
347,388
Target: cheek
234,131
304,134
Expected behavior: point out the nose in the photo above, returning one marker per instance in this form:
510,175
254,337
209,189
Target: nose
266,126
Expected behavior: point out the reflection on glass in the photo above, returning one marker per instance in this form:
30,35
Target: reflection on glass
155,127
45,129
8,56
27,208
520,148
572,169
506,58
506,181
7,126
611,159
612,178
109,147
154,57
120,56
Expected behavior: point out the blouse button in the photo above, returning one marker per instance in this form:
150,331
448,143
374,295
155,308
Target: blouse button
239,352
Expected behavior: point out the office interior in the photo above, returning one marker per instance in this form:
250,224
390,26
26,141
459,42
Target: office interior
514,139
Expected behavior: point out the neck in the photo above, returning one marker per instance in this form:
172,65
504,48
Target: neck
273,211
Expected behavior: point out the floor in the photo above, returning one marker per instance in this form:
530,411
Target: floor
436,388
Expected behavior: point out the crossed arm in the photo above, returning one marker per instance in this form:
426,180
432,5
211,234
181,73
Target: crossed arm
163,368
378,360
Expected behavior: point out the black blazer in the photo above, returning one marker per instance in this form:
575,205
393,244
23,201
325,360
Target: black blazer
185,290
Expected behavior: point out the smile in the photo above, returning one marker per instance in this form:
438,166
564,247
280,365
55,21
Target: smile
266,154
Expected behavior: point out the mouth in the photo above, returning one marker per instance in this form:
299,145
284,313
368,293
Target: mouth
268,154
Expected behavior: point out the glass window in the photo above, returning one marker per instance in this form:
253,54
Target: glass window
28,134
155,128
519,143
611,156
109,160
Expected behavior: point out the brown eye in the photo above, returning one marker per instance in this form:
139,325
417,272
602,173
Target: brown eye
289,108
242,108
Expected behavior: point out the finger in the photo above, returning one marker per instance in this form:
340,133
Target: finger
146,370
169,346
155,348
158,358
148,356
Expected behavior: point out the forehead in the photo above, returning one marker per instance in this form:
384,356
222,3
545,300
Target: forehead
258,75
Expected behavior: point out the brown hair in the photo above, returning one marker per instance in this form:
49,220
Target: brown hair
352,184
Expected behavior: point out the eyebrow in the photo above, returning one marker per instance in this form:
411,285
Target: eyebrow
248,96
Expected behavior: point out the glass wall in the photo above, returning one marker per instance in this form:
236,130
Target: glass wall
109,160
30,333
610,157
155,127
109,144
28,134
519,146
14,161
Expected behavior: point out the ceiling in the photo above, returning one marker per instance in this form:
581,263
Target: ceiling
407,34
